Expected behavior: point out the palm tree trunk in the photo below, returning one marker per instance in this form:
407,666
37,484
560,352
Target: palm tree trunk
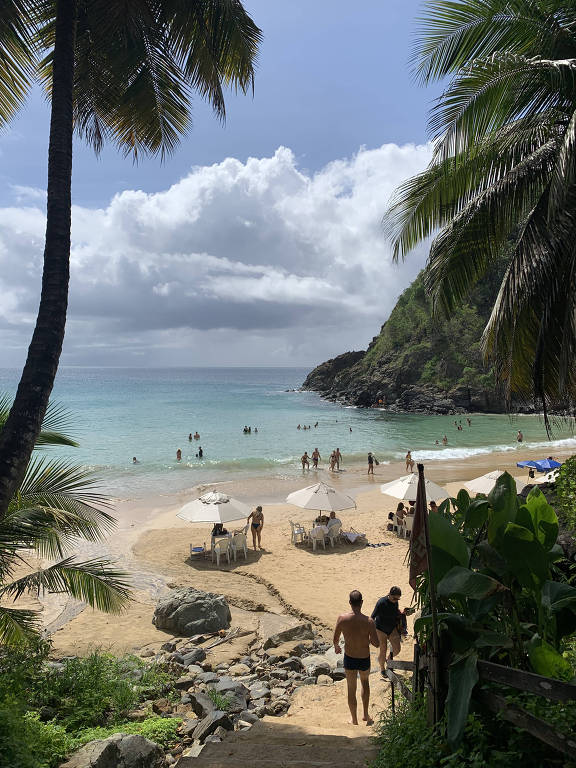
24,422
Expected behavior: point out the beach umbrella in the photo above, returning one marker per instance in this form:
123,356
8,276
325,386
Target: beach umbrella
525,464
405,488
321,497
214,507
545,465
486,483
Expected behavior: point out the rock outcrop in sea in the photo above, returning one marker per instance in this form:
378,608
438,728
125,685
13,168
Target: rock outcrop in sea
419,362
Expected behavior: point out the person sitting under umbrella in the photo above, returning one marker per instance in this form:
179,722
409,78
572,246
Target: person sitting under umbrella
333,520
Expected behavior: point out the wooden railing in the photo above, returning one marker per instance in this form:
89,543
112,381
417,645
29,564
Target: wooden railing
509,677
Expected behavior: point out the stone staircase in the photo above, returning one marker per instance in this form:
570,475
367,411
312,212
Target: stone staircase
274,743
314,733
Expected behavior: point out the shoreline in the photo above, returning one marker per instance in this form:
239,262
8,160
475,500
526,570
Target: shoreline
153,544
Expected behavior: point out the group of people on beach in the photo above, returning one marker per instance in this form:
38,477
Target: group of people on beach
387,624
333,462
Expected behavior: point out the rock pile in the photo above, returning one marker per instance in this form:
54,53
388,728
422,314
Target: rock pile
213,699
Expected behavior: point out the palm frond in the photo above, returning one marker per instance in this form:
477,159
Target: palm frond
92,581
17,55
451,34
55,421
18,626
478,235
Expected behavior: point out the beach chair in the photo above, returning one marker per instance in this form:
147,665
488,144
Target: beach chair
333,534
297,533
238,542
352,536
407,527
316,536
221,547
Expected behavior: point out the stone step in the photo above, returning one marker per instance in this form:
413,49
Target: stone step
261,755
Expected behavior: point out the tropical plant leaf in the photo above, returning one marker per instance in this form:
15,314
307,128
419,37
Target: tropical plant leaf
18,626
544,519
547,661
448,546
462,677
504,502
462,582
525,555
93,581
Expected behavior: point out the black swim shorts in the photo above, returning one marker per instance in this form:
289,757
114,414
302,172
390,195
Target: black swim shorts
362,665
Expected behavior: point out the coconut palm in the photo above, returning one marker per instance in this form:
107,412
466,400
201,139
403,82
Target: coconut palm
502,180
122,72
56,505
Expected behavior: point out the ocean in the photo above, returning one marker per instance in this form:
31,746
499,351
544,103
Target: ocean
116,414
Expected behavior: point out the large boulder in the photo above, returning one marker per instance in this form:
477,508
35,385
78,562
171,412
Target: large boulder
118,751
187,611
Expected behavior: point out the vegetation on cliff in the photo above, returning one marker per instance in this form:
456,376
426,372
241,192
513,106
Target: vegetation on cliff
418,361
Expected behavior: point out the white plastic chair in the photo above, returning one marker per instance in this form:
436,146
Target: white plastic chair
221,547
407,528
297,533
334,533
238,542
317,536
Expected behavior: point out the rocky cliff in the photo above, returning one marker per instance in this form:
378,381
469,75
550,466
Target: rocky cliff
417,362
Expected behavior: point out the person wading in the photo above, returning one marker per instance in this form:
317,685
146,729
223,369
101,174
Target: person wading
359,631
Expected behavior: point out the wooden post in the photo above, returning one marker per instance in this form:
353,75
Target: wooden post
436,710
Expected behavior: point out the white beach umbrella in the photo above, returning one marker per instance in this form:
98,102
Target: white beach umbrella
321,497
214,507
486,483
405,488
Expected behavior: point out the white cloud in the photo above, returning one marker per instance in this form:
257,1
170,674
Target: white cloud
255,262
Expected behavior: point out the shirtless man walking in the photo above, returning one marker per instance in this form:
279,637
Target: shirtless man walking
359,631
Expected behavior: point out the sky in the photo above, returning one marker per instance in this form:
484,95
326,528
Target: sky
260,241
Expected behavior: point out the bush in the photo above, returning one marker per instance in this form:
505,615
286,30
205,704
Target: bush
28,743
407,741
46,712
162,730
97,690
566,493
219,700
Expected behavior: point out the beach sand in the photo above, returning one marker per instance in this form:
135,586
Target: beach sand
153,545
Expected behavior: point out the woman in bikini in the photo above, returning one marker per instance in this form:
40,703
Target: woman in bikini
257,525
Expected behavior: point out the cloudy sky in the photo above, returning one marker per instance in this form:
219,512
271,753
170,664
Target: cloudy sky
257,243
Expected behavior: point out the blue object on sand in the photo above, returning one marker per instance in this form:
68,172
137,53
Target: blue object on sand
526,464
545,465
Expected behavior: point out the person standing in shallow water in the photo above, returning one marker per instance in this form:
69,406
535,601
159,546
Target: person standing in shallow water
359,633
178,455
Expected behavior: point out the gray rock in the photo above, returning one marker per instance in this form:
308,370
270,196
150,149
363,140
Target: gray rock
121,749
208,724
338,674
236,702
185,682
201,704
207,677
309,681
276,692
293,663
249,716
195,669
324,680
189,611
279,674
193,657
299,632
170,647
229,684
259,691
259,706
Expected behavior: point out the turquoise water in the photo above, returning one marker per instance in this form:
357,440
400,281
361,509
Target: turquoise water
121,413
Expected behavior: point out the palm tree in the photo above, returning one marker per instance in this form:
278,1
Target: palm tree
502,180
55,506
122,72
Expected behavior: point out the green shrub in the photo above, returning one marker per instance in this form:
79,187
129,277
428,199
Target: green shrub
566,493
407,741
219,700
97,690
162,730
26,742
